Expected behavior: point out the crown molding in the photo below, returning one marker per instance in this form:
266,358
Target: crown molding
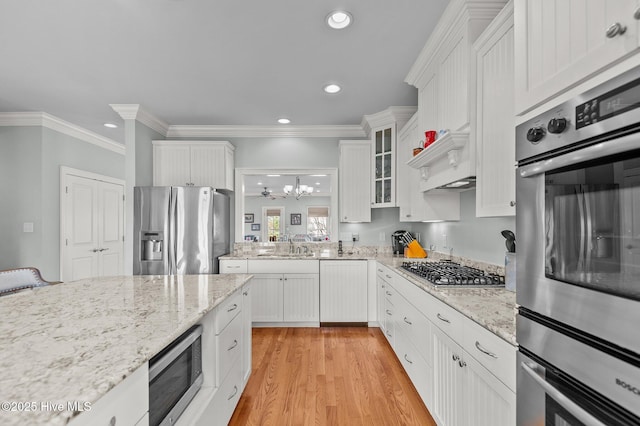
395,114
458,12
229,131
28,119
136,112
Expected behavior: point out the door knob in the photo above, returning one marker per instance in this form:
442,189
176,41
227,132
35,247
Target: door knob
616,29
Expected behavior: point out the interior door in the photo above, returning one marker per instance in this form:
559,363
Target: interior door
111,228
93,227
80,251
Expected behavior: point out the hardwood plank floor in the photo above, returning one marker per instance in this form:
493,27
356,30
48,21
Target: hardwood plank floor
327,376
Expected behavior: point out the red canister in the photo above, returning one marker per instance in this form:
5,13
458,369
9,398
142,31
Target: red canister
429,137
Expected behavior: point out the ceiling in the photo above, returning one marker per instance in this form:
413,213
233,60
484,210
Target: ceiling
209,62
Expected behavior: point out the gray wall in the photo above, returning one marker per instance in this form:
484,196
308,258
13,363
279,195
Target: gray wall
30,162
144,153
472,237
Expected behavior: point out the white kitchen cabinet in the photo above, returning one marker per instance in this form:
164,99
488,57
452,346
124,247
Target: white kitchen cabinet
559,44
125,404
285,291
448,406
247,295
381,285
414,204
268,295
193,163
233,266
343,291
495,123
382,128
301,298
354,181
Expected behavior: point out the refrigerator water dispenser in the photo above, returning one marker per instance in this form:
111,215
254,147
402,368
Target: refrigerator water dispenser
152,244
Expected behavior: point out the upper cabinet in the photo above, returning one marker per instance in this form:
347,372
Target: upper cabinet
444,74
560,43
382,129
193,163
354,180
495,123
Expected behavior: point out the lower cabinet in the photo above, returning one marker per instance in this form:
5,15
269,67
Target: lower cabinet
464,373
343,291
285,298
247,295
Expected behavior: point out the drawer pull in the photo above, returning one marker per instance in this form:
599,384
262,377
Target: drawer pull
455,357
388,276
441,318
112,421
245,293
389,334
462,364
235,391
233,307
484,351
389,293
379,270
407,321
407,359
235,343
389,312
234,267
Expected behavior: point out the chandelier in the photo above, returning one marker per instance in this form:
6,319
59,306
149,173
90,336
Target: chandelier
299,190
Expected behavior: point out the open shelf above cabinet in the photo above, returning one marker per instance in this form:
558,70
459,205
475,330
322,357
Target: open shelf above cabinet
447,145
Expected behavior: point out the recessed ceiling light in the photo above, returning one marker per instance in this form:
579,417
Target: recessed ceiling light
110,125
273,175
332,88
339,19
317,183
259,183
284,121
318,175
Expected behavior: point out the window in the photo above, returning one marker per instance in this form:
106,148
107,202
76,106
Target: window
318,223
273,222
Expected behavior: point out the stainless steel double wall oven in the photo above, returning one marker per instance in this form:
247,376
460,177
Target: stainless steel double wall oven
578,269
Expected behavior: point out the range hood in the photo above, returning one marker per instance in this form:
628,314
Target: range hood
448,164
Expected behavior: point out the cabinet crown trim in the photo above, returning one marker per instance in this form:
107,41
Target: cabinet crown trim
189,142
215,131
395,114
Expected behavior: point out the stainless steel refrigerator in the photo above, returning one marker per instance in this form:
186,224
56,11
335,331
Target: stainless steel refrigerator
179,230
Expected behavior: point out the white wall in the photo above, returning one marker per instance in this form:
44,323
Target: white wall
30,160
472,237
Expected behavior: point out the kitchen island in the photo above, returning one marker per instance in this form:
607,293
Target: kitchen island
75,341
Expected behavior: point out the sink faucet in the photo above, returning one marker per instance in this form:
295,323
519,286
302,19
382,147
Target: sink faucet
298,250
290,246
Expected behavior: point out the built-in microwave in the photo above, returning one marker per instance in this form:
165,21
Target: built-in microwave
175,376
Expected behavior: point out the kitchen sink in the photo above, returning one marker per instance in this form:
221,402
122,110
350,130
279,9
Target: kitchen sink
292,255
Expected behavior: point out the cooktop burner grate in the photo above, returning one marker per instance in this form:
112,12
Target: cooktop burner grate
452,274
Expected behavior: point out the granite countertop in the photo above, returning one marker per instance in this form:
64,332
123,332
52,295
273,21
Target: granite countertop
492,308
75,341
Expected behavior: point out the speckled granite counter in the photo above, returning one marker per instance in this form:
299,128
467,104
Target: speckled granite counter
75,341
492,308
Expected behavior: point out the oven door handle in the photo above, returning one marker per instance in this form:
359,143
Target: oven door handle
589,229
580,195
593,152
573,408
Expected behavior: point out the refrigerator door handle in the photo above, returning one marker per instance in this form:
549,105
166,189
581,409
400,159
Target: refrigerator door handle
172,248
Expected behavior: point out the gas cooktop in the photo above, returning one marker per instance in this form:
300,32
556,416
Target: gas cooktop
450,274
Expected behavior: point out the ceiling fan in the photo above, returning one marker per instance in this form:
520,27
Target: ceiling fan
267,193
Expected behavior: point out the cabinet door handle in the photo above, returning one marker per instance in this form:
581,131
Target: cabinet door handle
380,270
235,391
389,293
484,351
389,312
615,30
233,307
441,318
112,421
407,321
245,293
388,276
462,364
95,250
407,359
389,334
455,357
512,203
235,343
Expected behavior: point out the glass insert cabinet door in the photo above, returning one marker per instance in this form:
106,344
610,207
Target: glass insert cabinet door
384,170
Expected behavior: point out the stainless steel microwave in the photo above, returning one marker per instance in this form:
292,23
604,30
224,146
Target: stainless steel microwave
175,376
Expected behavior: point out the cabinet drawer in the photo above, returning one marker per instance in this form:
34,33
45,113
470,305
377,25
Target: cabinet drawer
125,404
415,327
495,354
233,266
447,319
416,367
293,266
224,402
228,349
385,273
227,310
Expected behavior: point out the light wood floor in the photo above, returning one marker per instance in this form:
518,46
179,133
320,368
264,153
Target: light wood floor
327,376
